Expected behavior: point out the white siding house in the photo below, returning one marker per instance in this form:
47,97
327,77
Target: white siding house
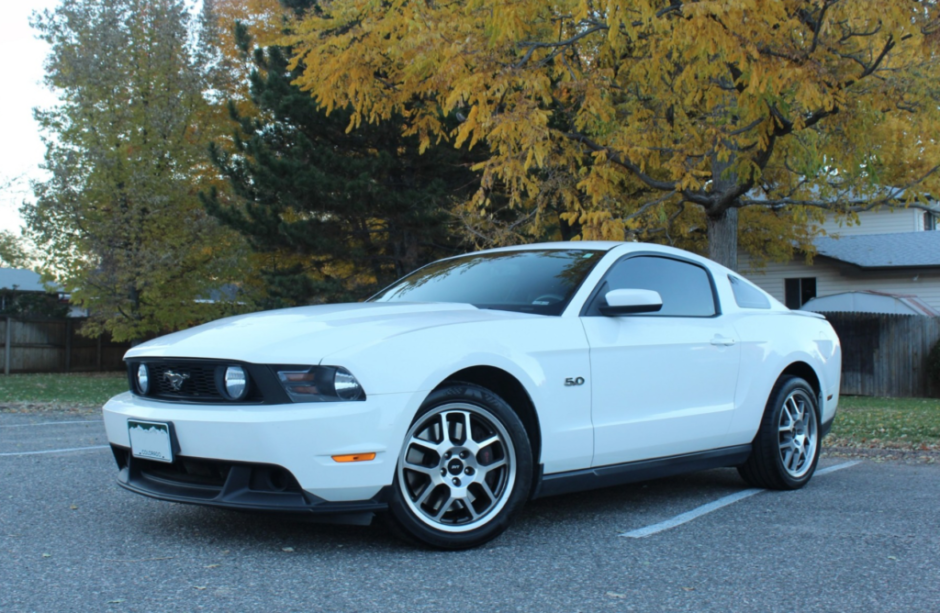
894,252
883,221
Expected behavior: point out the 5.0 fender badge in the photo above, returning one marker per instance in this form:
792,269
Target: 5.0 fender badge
571,381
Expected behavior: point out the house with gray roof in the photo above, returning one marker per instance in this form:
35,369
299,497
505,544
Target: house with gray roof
23,291
886,263
20,279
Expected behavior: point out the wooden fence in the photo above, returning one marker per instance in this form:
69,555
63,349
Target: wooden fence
886,355
55,345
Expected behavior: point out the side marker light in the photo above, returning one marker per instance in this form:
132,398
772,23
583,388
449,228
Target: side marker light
354,457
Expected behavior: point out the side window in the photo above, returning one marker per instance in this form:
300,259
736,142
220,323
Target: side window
747,296
685,288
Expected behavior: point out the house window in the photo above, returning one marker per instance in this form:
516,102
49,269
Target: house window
931,221
799,291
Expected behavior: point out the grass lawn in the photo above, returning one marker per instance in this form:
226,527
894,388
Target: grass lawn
912,423
86,389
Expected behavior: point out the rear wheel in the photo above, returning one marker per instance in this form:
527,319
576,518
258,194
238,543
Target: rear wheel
464,470
786,448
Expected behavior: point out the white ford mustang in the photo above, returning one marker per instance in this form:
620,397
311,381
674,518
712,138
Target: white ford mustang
478,382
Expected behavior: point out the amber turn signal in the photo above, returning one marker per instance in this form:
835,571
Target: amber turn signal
354,457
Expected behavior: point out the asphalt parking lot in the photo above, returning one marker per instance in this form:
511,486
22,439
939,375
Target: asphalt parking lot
864,537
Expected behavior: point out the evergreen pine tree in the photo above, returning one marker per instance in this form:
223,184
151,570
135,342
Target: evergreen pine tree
333,214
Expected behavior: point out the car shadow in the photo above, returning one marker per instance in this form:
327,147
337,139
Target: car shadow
611,510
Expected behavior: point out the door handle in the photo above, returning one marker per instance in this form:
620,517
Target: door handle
722,341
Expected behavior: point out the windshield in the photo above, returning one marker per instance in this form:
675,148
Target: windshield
537,281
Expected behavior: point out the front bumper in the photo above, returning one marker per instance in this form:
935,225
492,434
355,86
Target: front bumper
249,487
829,405
299,439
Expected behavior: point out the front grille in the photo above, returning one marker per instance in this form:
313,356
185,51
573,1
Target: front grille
214,474
185,471
199,381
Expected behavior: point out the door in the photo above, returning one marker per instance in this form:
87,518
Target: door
662,383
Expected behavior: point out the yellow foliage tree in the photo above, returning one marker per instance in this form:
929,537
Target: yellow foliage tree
263,21
653,116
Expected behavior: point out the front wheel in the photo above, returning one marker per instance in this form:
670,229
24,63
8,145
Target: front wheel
464,470
786,448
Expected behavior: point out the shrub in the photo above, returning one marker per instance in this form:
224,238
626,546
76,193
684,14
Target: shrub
933,363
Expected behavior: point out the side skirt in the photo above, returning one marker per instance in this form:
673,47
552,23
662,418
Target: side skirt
643,470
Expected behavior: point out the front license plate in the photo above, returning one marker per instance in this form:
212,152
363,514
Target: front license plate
150,440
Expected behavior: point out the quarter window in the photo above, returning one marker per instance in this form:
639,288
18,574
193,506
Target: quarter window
685,288
747,296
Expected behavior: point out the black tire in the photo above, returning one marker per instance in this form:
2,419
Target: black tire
769,465
495,479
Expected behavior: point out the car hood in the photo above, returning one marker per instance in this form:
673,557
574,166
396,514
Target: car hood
305,335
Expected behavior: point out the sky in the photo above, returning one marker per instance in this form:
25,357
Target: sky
22,152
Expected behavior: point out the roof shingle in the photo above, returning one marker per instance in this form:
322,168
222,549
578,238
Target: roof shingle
901,250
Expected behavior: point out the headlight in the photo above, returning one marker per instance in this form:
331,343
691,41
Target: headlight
236,382
320,384
143,379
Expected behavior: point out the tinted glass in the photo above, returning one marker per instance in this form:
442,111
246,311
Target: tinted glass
540,281
685,288
747,296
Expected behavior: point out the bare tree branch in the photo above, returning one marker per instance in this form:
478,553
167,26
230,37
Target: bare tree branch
854,205
618,159
818,28
649,205
889,45
532,45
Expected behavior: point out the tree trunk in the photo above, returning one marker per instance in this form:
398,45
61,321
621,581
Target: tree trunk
568,231
723,238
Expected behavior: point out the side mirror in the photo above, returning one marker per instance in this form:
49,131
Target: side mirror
628,301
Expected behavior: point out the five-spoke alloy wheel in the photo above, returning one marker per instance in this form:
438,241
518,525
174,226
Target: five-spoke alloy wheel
786,449
464,469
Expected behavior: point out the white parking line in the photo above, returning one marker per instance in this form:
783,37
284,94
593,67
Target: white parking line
678,520
832,469
54,423
19,453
